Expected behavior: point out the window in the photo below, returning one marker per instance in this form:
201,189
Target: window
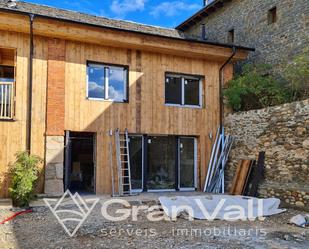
7,80
203,33
107,82
231,36
183,90
272,15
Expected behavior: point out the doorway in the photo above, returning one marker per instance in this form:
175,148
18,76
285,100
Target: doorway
80,162
163,163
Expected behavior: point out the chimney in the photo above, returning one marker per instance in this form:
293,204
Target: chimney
206,2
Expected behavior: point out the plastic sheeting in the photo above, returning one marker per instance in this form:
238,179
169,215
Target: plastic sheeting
223,207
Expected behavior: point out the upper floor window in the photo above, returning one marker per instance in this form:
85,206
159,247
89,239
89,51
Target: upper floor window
183,90
272,15
231,36
7,80
107,82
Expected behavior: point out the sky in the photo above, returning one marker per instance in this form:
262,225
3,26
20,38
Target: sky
153,12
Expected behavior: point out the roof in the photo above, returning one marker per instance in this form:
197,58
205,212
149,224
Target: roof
103,22
206,11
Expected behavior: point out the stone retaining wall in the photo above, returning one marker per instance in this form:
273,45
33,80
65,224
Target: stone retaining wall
283,133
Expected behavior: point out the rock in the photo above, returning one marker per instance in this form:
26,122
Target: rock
306,144
53,186
299,204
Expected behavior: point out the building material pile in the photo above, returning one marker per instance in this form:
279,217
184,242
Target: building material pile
214,182
249,174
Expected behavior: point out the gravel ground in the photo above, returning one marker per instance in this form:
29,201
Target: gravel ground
40,229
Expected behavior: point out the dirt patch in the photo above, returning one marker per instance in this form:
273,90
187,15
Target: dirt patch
40,229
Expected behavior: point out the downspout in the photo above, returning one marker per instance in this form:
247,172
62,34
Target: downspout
30,80
221,82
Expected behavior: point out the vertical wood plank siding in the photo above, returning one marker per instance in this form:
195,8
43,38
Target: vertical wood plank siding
145,113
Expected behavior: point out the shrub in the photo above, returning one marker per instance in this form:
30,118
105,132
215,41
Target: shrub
297,75
254,88
24,174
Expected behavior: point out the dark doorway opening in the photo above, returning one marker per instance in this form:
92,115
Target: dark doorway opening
79,162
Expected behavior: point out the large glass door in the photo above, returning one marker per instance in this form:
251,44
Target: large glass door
187,163
161,163
136,162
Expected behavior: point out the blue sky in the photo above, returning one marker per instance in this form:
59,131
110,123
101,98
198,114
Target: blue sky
154,12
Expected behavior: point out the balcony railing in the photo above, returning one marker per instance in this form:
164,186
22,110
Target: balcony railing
6,100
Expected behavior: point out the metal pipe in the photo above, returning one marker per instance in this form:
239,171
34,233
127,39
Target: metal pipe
30,81
221,79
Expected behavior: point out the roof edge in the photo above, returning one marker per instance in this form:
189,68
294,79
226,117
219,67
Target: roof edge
181,26
132,31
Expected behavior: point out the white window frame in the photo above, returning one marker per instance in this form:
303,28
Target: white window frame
106,68
195,165
183,78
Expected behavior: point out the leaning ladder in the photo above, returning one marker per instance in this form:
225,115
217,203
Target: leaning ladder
123,163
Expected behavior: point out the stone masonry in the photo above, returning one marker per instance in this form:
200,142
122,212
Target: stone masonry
54,165
283,133
275,43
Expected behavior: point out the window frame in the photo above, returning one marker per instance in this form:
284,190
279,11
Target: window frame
13,86
200,78
106,81
272,15
231,36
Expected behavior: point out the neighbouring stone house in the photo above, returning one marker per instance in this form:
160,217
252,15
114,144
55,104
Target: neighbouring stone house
277,29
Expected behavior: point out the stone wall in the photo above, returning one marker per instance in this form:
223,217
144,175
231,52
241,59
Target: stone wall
275,43
283,133
54,165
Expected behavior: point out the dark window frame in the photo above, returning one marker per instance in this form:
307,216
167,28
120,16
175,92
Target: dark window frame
106,65
231,36
183,77
272,15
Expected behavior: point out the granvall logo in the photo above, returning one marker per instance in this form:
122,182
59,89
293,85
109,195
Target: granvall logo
70,219
229,208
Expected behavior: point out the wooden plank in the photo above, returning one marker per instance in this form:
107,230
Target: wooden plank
240,177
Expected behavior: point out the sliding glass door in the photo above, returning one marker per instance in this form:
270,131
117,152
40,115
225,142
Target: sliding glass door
161,163
187,163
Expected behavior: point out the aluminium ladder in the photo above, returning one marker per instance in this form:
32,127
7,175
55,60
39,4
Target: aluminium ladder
123,163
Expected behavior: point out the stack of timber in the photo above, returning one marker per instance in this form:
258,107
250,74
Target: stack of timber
214,182
249,174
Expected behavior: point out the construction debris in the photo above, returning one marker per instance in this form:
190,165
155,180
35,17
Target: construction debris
248,176
241,177
300,220
214,182
223,207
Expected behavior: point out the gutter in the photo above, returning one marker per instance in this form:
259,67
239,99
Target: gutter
221,83
30,83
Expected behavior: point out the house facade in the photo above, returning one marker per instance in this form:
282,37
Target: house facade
277,29
69,80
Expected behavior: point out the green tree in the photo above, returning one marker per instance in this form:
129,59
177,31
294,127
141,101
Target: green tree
254,88
297,75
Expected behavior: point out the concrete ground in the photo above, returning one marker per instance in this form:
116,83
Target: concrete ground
41,229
